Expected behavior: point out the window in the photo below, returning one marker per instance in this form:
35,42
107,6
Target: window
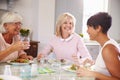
90,9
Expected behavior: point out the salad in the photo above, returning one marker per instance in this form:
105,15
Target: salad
20,60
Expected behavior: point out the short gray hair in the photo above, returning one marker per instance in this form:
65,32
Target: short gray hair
9,17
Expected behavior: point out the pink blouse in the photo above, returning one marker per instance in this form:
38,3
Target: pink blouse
65,48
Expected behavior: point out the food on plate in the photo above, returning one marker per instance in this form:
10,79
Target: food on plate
73,67
21,60
62,61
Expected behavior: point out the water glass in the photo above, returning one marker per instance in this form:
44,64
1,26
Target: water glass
7,70
15,70
43,62
56,65
34,70
25,72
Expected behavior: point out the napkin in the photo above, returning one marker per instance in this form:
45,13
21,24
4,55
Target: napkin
45,70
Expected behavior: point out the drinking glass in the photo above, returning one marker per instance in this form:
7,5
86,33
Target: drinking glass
25,72
25,38
57,67
34,70
43,62
7,70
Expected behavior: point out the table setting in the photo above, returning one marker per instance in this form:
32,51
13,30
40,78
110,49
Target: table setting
46,69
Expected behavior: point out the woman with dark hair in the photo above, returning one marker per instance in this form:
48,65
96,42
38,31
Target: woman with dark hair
107,65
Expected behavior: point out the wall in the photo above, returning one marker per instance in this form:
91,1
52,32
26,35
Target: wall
113,9
29,10
74,7
46,21
3,4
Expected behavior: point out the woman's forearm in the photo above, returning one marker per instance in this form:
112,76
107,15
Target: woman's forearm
100,76
6,52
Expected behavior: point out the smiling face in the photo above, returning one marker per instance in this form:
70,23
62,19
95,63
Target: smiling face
67,27
13,28
93,33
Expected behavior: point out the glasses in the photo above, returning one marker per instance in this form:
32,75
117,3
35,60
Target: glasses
15,23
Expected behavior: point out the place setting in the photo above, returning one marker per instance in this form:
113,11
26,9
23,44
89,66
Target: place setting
20,62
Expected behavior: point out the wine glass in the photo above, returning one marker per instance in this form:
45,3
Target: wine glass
24,34
25,38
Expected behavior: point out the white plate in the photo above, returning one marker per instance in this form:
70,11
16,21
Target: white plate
67,68
63,63
6,77
16,63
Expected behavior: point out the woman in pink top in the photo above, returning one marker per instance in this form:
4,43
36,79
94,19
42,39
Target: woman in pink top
66,42
10,45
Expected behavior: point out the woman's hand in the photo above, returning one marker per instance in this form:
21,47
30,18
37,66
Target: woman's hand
88,61
30,57
75,58
25,56
81,71
40,56
20,46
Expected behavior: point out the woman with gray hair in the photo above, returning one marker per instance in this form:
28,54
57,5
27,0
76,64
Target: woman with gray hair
10,45
66,43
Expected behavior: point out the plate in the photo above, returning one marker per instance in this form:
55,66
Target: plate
17,63
67,68
65,62
6,77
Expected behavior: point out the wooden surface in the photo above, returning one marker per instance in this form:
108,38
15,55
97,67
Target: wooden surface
33,50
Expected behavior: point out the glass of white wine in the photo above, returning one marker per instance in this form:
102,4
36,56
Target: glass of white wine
24,36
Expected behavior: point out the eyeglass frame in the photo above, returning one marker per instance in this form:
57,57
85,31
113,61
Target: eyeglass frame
15,23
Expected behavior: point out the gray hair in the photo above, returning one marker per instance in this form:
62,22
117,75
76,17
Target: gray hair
9,17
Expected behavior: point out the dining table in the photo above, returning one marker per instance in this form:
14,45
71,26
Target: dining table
37,70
